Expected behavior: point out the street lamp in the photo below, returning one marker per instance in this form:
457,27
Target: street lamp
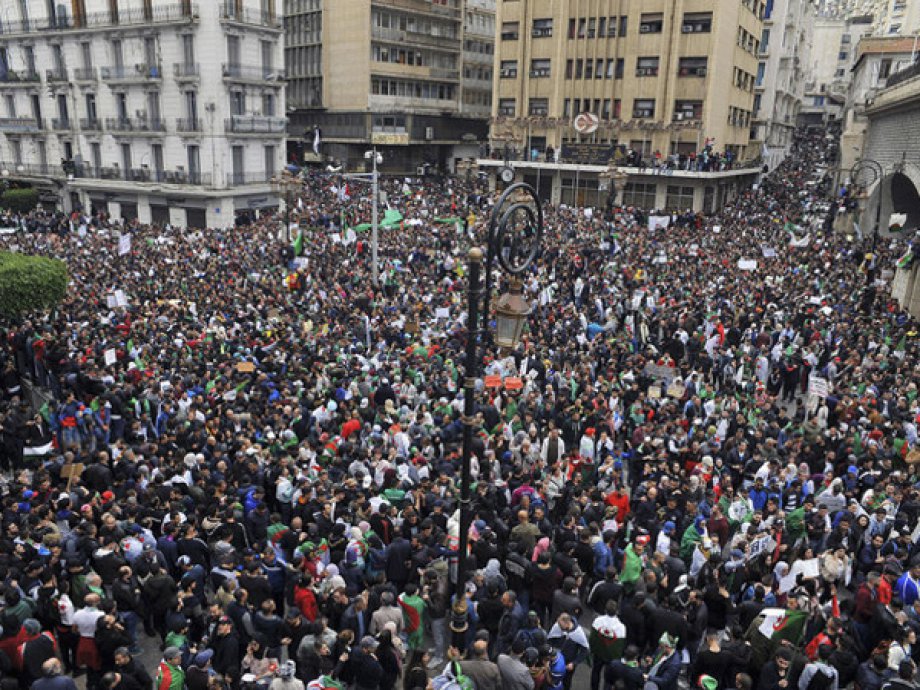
285,184
377,159
873,168
514,237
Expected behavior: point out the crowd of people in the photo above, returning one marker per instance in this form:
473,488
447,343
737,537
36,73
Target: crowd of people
250,460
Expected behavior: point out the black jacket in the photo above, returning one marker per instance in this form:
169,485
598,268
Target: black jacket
226,659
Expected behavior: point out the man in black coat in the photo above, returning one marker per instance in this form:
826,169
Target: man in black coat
226,646
399,556
363,668
127,666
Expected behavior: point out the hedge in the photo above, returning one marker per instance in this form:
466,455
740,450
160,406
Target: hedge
30,283
19,200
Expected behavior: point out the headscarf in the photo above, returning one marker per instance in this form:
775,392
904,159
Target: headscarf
542,545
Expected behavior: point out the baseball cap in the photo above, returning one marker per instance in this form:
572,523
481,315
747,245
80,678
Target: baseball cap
171,653
203,657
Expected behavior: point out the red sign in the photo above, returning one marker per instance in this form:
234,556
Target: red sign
493,381
512,383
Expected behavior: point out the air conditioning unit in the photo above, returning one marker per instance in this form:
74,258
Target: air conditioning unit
644,28
642,113
687,29
509,73
429,133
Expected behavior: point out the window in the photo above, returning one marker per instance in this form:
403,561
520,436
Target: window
688,110
679,198
508,69
156,156
761,69
599,68
757,101
16,149
194,161
639,194
843,55
237,103
542,28
188,48
579,68
151,56
611,66
592,27
692,67
268,104
569,68
118,54
42,152
567,107
817,100
269,161
238,163
651,23
602,27
10,105
621,64
95,153
647,67
697,22
582,27
765,42
612,27
126,162
643,108
57,54
91,113
605,109
622,31
233,50
589,68
539,68
538,106
191,106
507,107
572,25
510,31
846,38
87,52
616,108
268,57
884,68
153,106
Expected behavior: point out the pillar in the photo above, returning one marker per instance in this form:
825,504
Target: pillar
556,190
177,217
220,212
114,209
144,214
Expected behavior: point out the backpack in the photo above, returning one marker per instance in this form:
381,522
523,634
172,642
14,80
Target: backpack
820,681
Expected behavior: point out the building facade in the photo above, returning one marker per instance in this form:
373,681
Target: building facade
664,78
785,53
164,112
410,77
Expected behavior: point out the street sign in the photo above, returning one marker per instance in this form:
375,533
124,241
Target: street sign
586,123
588,154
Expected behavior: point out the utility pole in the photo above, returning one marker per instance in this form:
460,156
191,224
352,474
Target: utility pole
375,185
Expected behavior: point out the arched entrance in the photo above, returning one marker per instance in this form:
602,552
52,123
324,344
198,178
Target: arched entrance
898,192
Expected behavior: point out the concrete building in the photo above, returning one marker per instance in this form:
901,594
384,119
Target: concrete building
165,112
877,58
665,76
411,77
785,54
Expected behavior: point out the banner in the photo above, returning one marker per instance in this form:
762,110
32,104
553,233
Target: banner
655,222
124,244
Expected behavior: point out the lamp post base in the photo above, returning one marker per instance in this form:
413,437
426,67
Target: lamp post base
459,624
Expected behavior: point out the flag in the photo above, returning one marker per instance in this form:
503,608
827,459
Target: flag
782,624
605,645
413,608
124,244
325,683
906,260
298,244
317,140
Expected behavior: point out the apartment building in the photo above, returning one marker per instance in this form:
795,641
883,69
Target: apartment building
785,56
412,78
664,78
160,111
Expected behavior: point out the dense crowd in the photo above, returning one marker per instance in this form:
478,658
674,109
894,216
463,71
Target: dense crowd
251,459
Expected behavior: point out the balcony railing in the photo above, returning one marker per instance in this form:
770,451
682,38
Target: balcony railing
235,179
20,124
904,74
91,124
85,74
143,175
127,124
424,6
20,77
32,169
138,72
244,73
416,38
246,15
180,12
58,74
61,123
184,124
186,70
241,124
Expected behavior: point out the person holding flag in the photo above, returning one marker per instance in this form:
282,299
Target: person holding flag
606,642
413,607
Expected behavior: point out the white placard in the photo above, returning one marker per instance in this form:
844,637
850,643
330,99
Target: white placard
787,583
818,386
747,264
124,244
808,569
655,222
110,357
442,313
121,300
768,252
717,229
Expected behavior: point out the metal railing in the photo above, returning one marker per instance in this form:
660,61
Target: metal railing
178,12
422,6
233,71
61,123
127,124
904,74
32,169
186,70
20,124
236,179
241,124
139,72
91,124
20,77
184,124
143,175
55,75
85,74
229,12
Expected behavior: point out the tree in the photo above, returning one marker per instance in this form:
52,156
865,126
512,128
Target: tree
30,283
19,200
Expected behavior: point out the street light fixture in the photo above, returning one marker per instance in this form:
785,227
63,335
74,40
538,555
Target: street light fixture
377,159
285,184
514,238
874,168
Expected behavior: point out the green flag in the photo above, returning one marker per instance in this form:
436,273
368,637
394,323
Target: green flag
770,628
298,244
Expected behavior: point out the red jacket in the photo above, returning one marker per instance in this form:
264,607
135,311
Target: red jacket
305,600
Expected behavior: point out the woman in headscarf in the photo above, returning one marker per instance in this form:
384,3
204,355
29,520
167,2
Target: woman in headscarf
541,546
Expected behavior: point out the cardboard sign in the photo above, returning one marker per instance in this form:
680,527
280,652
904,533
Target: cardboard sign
494,381
818,386
110,357
245,367
72,471
513,383
747,264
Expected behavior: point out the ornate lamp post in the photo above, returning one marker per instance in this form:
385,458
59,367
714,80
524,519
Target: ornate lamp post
514,238
285,185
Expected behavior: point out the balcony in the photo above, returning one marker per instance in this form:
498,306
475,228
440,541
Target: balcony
61,124
21,78
416,38
143,174
56,76
85,74
255,124
184,124
20,125
256,75
31,169
186,71
139,73
421,7
90,124
238,179
248,17
184,12
127,125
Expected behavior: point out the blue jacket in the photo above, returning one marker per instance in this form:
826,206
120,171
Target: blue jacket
908,589
666,678
603,559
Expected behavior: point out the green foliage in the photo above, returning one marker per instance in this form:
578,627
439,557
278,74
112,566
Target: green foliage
19,200
30,283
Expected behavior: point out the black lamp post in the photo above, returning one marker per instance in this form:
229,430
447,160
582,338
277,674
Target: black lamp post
514,237
874,168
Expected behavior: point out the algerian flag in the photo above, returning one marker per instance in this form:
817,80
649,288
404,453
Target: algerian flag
298,244
325,683
782,624
906,260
